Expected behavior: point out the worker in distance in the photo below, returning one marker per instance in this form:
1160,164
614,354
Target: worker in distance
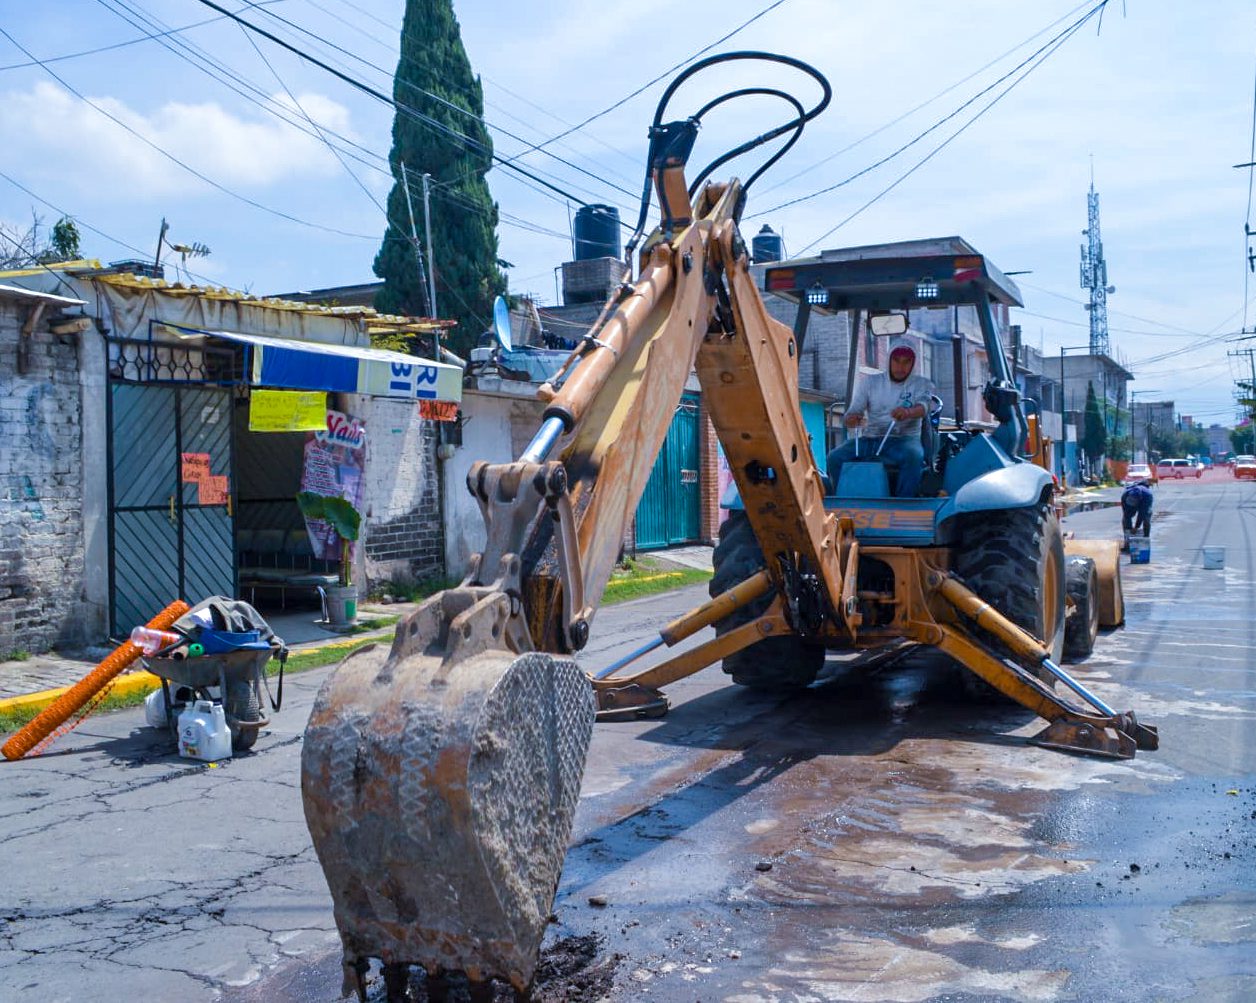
894,401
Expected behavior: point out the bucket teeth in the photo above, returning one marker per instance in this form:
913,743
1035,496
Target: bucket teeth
440,799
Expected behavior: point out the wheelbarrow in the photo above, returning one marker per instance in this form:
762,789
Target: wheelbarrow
238,677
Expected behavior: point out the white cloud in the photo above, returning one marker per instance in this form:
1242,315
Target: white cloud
79,146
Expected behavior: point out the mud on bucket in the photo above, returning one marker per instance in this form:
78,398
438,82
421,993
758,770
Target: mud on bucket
1214,558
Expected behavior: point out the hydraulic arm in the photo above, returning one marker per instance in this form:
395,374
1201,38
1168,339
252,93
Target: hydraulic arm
440,776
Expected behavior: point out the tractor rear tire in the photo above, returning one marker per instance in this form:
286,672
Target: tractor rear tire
1082,628
1014,560
776,664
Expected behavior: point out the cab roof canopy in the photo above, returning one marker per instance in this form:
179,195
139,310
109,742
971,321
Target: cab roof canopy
909,274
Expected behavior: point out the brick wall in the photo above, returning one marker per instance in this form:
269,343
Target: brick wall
41,476
708,478
404,537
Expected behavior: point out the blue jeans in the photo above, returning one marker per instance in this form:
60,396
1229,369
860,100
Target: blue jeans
903,451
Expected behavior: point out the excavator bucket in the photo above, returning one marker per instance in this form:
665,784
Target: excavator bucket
440,783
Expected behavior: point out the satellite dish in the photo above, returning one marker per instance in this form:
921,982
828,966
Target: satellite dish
501,323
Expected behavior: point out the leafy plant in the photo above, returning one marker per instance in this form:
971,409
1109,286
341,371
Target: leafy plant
343,518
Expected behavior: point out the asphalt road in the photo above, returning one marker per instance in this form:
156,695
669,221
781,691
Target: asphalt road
870,839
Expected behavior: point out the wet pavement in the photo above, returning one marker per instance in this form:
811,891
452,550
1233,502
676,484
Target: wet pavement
870,839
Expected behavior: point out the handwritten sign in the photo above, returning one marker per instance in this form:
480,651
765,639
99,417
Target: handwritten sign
438,410
195,467
213,490
287,411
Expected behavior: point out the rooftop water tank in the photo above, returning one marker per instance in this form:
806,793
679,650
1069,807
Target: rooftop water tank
767,246
597,232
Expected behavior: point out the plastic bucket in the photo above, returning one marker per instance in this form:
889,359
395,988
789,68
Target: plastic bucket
1214,558
1140,550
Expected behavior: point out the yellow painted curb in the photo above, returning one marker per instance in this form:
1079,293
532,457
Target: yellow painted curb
142,681
128,682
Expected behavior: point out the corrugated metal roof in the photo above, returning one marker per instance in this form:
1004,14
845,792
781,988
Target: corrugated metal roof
372,320
29,295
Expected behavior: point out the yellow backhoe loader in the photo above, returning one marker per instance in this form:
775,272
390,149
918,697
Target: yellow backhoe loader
440,777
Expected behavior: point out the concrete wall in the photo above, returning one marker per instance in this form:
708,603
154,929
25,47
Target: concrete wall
45,599
497,428
404,536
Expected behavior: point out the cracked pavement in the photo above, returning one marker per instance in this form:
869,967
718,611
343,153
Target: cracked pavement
132,872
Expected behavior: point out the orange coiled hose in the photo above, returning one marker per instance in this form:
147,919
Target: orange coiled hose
59,710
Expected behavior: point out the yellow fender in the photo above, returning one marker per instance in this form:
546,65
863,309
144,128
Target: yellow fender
1107,557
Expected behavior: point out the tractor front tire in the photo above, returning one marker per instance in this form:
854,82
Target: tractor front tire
1014,560
776,664
1082,628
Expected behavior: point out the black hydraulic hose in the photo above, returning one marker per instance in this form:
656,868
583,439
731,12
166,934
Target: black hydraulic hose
796,124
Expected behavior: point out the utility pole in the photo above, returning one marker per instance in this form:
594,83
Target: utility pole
1094,274
427,226
414,238
1249,399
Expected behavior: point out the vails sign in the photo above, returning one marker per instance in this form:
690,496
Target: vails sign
342,430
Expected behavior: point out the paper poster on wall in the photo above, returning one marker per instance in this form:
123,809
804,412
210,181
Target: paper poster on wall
287,411
438,410
335,457
195,467
213,490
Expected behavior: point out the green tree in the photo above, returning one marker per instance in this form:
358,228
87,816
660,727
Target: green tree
1243,439
1094,433
441,134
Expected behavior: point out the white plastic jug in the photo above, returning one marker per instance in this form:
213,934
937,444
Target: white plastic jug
203,732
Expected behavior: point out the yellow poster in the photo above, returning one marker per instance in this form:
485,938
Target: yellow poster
287,411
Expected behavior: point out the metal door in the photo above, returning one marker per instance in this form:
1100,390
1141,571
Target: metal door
669,512
170,515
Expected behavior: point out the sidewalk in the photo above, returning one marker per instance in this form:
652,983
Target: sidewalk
41,676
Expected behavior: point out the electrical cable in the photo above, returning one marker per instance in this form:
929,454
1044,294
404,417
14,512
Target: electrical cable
1041,55
797,123
924,104
385,99
1247,222
120,45
434,97
175,160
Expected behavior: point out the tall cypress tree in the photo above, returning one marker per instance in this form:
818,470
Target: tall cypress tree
434,79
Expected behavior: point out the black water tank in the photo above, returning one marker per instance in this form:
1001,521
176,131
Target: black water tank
597,232
767,246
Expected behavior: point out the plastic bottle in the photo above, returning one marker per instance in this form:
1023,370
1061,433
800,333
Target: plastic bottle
203,732
151,641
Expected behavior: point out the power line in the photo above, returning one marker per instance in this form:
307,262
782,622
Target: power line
1035,58
924,104
385,99
434,97
175,160
120,45
1041,55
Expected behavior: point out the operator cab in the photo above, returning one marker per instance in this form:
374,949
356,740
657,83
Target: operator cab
947,300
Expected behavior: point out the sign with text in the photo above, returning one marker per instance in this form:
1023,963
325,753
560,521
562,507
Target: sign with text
287,411
335,456
195,467
438,410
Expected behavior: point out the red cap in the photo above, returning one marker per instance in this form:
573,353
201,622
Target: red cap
904,350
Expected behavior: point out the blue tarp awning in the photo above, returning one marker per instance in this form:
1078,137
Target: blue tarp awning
313,365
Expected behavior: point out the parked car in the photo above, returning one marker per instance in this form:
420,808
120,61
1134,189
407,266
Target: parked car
1138,472
1245,467
1178,469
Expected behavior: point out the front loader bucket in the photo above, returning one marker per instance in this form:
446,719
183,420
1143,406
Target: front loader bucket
440,795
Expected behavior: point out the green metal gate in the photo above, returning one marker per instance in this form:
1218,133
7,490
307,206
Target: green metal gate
669,511
171,525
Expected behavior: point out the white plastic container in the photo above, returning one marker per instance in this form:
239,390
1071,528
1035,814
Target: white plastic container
203,732
1214,558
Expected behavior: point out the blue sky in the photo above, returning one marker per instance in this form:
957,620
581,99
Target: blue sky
1160,100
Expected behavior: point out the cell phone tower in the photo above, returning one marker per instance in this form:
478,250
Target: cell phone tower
1095,275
